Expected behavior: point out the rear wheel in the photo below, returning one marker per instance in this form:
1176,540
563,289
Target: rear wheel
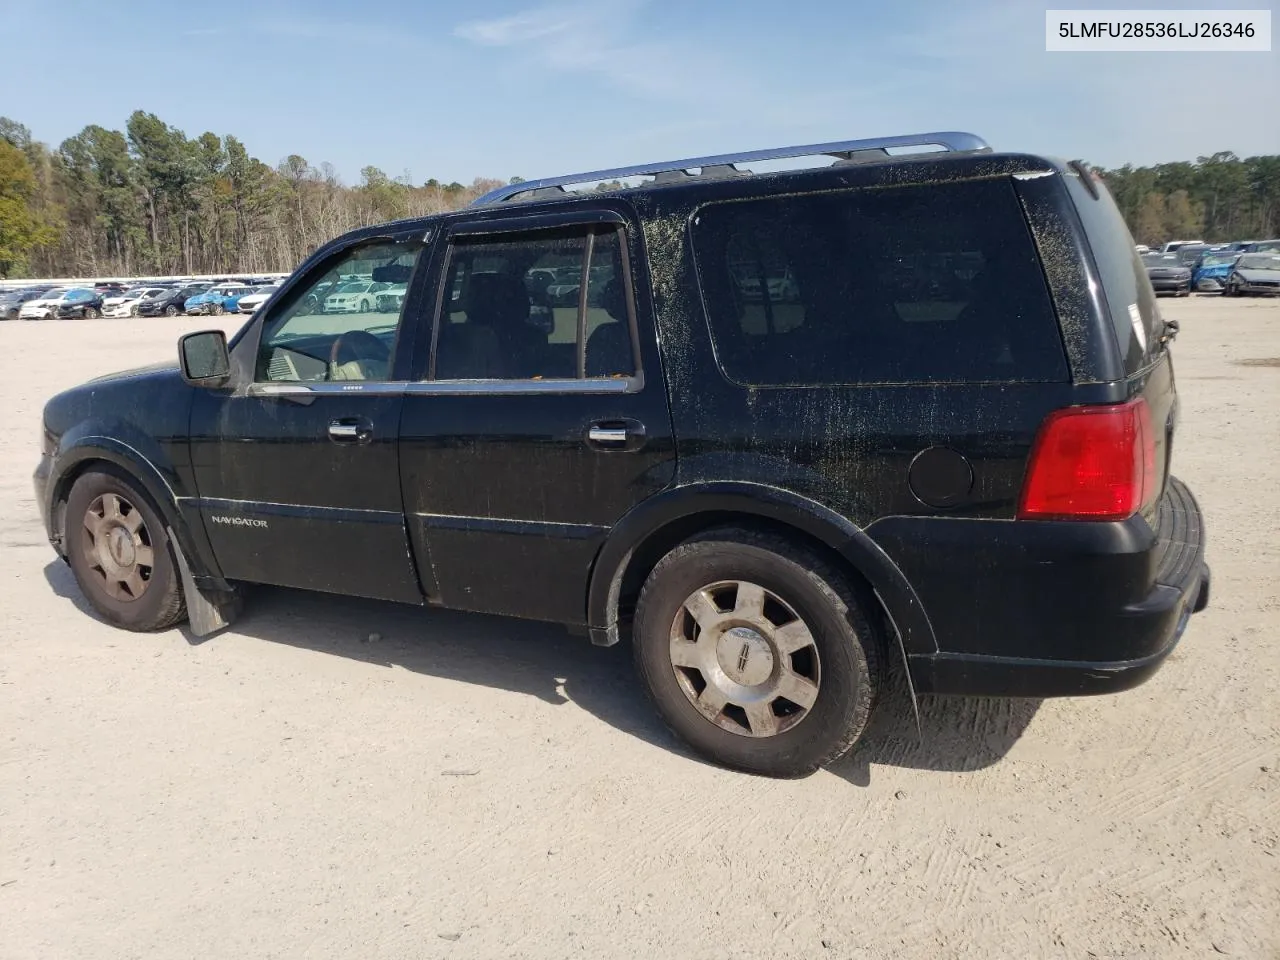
756,652
118,548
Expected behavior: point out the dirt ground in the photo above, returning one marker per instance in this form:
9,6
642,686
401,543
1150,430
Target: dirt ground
468,786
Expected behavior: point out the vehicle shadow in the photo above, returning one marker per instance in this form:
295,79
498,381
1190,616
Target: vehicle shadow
544,661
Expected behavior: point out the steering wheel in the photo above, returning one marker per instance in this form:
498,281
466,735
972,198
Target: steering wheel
358,355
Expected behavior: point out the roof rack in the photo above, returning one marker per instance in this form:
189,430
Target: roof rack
852,151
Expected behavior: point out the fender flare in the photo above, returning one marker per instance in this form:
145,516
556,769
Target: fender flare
87,443
726,499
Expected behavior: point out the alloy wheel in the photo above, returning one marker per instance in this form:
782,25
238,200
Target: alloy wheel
744,659
118,547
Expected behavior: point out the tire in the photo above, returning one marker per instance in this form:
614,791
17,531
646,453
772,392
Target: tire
364,306
837,656
171,311
120,511
90,313
217,310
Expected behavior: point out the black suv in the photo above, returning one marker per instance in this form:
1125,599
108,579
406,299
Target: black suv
795,428
172,302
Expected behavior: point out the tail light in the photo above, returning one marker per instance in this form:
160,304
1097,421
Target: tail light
1091,463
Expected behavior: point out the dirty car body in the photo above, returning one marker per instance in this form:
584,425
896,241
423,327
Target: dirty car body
956,458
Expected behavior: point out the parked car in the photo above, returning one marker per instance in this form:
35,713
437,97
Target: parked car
354,296
956,461
1263,246
1142,248
1167,273
1210,272
1254,274
231,303
1190,253
126,304
43,306
216,300
81,303
170,303
1174,245
391,299
11,301
252,301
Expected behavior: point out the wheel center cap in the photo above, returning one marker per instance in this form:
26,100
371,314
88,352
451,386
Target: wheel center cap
120,546
745,656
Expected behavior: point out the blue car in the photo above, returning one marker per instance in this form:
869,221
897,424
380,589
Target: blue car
1209,275
215,299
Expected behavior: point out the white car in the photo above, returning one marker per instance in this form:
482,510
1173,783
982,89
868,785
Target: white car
252,301
126,304
355,296
391,300
43,307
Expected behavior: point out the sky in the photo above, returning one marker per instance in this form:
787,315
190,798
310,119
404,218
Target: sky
501,88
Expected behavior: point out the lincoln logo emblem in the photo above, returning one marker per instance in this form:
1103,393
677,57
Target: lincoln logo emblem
744,655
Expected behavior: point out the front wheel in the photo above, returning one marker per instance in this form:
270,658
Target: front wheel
171,311
90,313
757,652
364,306
118,548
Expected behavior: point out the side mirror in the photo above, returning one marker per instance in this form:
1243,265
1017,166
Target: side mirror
204,358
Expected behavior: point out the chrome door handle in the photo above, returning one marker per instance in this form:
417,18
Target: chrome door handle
609,435
350,431
622,434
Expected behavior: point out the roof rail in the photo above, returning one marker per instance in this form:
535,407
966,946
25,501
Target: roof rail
853,150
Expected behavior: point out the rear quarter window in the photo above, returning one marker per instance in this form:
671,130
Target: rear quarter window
914,284
1131,303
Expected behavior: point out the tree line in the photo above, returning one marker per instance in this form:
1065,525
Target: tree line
1216,198
150,200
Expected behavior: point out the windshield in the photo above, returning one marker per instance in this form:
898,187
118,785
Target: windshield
1218,259
1257,261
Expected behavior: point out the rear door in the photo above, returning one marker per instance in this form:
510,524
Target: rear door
538,421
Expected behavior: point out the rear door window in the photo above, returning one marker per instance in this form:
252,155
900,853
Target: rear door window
1131,302
545,305
916,284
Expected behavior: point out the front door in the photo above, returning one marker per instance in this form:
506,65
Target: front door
540,420
297,468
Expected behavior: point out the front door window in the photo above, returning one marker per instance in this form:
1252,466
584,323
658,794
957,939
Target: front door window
340,326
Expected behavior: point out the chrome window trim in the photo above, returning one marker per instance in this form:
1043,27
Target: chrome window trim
346,388
599,385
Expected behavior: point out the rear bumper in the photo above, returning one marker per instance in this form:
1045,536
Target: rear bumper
1034,609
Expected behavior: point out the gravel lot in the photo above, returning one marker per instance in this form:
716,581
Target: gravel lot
468,786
